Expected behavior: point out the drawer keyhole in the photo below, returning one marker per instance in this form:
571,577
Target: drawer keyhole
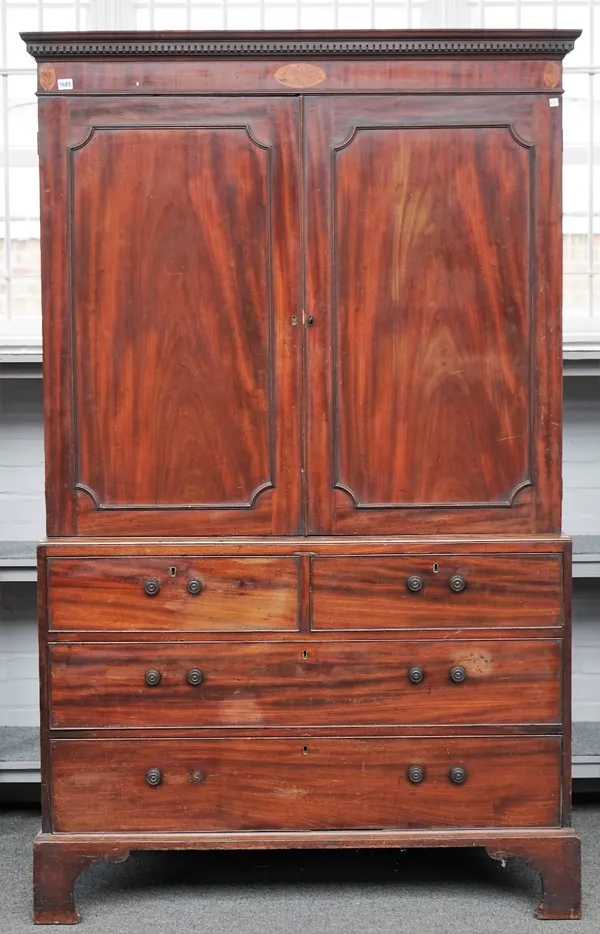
304,654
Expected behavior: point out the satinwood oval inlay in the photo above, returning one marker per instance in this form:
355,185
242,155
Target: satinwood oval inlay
300,75
47,77
551,75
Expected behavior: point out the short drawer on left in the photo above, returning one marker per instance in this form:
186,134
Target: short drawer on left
181,593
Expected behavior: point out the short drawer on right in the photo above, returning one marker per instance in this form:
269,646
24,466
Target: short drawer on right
425,591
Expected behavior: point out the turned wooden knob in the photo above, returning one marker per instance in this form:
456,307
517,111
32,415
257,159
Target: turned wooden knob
415,583
195,676
416,774
152,677
457,583
458,674
415,674
153,777
151,586
458,775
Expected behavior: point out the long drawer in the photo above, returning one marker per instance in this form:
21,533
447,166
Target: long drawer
436,591
301,684
286,784
135,593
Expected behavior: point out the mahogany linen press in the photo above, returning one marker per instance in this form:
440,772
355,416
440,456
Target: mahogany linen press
304,583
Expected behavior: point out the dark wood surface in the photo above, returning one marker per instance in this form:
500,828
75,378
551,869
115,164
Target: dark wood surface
325,783
430,546
109,594
553,853
345,43
417,75
55,871
302,339
257,685
501,590
421,419
211,443
492,388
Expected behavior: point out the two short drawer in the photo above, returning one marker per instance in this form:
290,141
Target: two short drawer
310,682
305,784
264,593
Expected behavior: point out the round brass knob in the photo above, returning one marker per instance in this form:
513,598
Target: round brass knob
152,677
416,774
458,775
194,586
457,583
154,777
415,674
415,583
195,676
151,586
458,674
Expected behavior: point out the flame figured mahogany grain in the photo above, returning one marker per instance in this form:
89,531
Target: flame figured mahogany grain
108,594
372,593
432,228
294,684
325,782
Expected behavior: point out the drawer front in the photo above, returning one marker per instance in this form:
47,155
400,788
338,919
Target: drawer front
296,684
286,784
219,594
375,592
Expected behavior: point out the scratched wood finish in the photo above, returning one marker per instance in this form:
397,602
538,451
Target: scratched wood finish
197,286
337,683
372,592
109,594
100,785
432,405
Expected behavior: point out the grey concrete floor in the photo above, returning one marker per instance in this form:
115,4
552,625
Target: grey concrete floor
308,892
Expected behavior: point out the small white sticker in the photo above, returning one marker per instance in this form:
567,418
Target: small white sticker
65,84
554,101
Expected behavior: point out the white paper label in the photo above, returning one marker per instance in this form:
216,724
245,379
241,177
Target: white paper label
65,84
554,101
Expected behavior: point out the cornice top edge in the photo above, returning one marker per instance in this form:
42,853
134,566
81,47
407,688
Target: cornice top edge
329,43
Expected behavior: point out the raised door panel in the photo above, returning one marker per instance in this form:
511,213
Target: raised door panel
182,274
431,316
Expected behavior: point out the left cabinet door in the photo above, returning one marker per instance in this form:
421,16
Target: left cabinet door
170,252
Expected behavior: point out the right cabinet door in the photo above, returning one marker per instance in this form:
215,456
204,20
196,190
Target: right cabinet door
433,249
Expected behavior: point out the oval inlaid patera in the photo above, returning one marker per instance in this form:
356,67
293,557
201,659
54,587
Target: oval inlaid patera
47,77
300,75
551,75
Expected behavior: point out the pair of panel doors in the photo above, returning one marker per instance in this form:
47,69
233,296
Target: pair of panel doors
320,315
